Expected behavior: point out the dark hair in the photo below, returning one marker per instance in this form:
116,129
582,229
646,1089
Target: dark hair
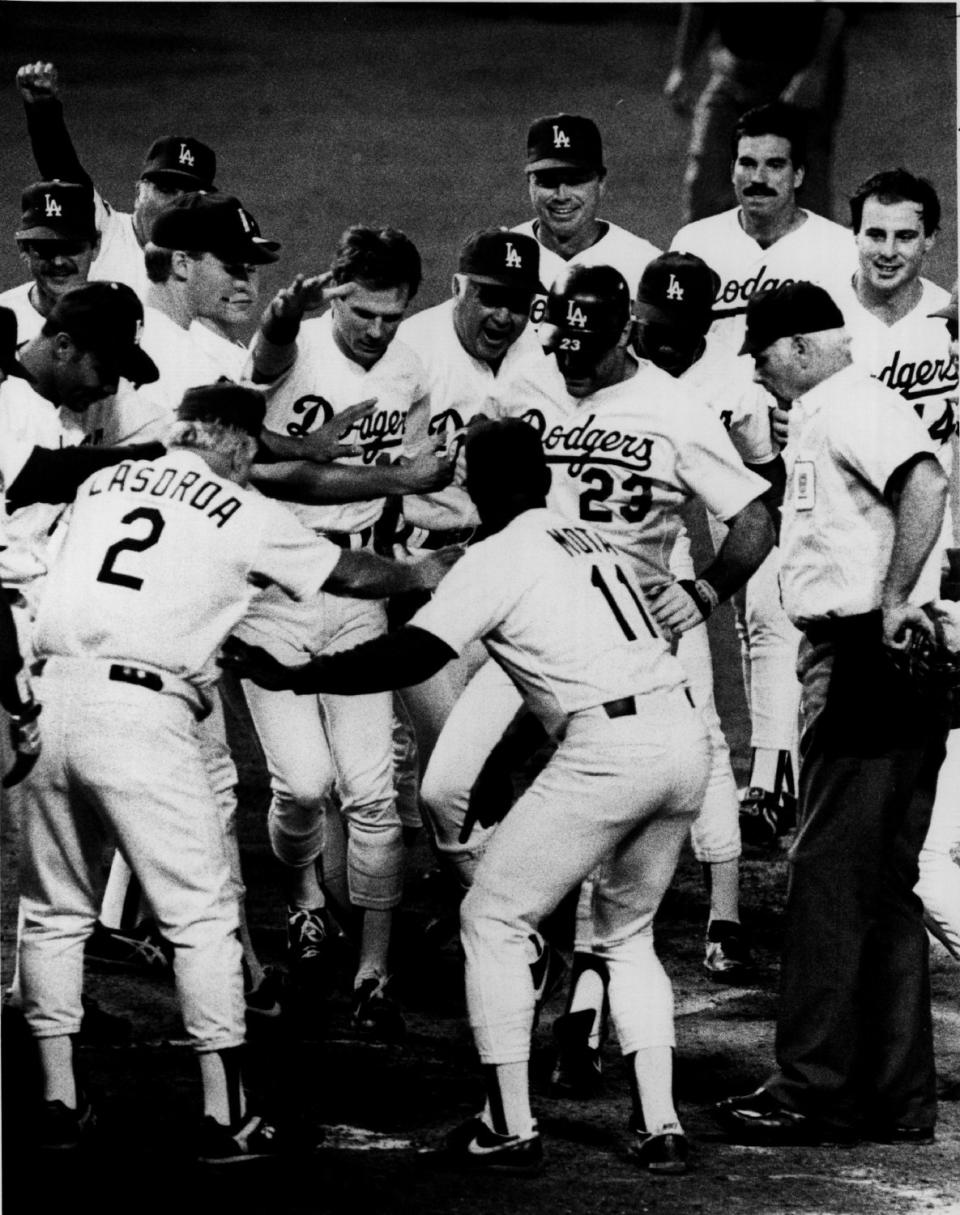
506,454
377,257
897,185
774,119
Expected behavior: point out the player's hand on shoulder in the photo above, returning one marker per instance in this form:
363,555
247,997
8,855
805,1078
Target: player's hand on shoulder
674,608
37,82
253,663
326,443
431,569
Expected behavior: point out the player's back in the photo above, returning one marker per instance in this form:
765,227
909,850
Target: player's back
157,565
559,607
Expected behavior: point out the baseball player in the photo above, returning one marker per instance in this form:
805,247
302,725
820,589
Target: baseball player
315,369
629,447
598,673
58,241
566,178
674,315
767,238
471,347
160,562
174,164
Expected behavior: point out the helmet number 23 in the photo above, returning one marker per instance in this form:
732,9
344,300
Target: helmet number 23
593,506
137,544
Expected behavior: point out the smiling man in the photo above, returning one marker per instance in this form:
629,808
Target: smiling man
768,238
567,180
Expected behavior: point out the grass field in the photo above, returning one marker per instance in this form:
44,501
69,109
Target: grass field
416,115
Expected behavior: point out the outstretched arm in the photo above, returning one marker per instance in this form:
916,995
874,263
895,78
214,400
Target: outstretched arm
396,660
55,474
50,140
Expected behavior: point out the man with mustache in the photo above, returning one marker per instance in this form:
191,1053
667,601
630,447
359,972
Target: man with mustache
173,165
768,238
58,241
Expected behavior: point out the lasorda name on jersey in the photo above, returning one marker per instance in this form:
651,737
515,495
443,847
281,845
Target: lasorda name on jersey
585,441
376,432
135,477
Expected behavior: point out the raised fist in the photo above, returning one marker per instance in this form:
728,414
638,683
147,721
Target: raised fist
37,81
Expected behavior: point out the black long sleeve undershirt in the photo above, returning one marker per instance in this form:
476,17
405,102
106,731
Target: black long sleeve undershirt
395,660
54,474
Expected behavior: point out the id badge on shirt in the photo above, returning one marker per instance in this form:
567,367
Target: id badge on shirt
804,485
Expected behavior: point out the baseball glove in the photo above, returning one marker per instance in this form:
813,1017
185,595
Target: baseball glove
931,669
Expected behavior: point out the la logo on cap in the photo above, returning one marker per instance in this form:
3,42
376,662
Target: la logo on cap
244,220
52,206
674,290
138,333
513,258
575,316
186,156
560,139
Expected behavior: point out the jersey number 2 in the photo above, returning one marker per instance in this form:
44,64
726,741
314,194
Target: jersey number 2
136,544
621,611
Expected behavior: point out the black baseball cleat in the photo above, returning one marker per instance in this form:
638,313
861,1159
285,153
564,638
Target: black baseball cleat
665,1152
374,1013
252,1137
727,956
578,1072
895,1133
475,1147
760,1119
60,1128
140,949
766,818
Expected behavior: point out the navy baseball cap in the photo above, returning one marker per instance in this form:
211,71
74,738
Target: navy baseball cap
561,141
57,210
590,303
677,287
181,161
8,346
107,319
497,255
785,310
218,224
226,403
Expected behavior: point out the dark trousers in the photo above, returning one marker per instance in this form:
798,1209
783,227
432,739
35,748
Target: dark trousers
854,1037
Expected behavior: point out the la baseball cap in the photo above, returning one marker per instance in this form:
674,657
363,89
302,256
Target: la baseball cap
57,210
106,318
497,255
790,308
8,346
677,287
591,303
218,224
182,161
560,141
226,403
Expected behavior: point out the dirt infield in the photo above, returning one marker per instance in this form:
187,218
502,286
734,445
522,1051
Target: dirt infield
324,115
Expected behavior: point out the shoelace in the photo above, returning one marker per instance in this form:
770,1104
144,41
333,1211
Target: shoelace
310,933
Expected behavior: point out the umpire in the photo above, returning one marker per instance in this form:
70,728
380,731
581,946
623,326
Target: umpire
861,520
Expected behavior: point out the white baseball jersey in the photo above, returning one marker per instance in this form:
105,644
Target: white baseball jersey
724,382
558,611
180,359
617,247
232,357
819,251
460,388
847,437
627,458
120,257
28,420
161,560
323,382
912,357
29,320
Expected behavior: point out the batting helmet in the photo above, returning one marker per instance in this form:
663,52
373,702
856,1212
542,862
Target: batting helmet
589,305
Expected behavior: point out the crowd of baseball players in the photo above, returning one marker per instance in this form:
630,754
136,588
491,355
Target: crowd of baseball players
436,548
